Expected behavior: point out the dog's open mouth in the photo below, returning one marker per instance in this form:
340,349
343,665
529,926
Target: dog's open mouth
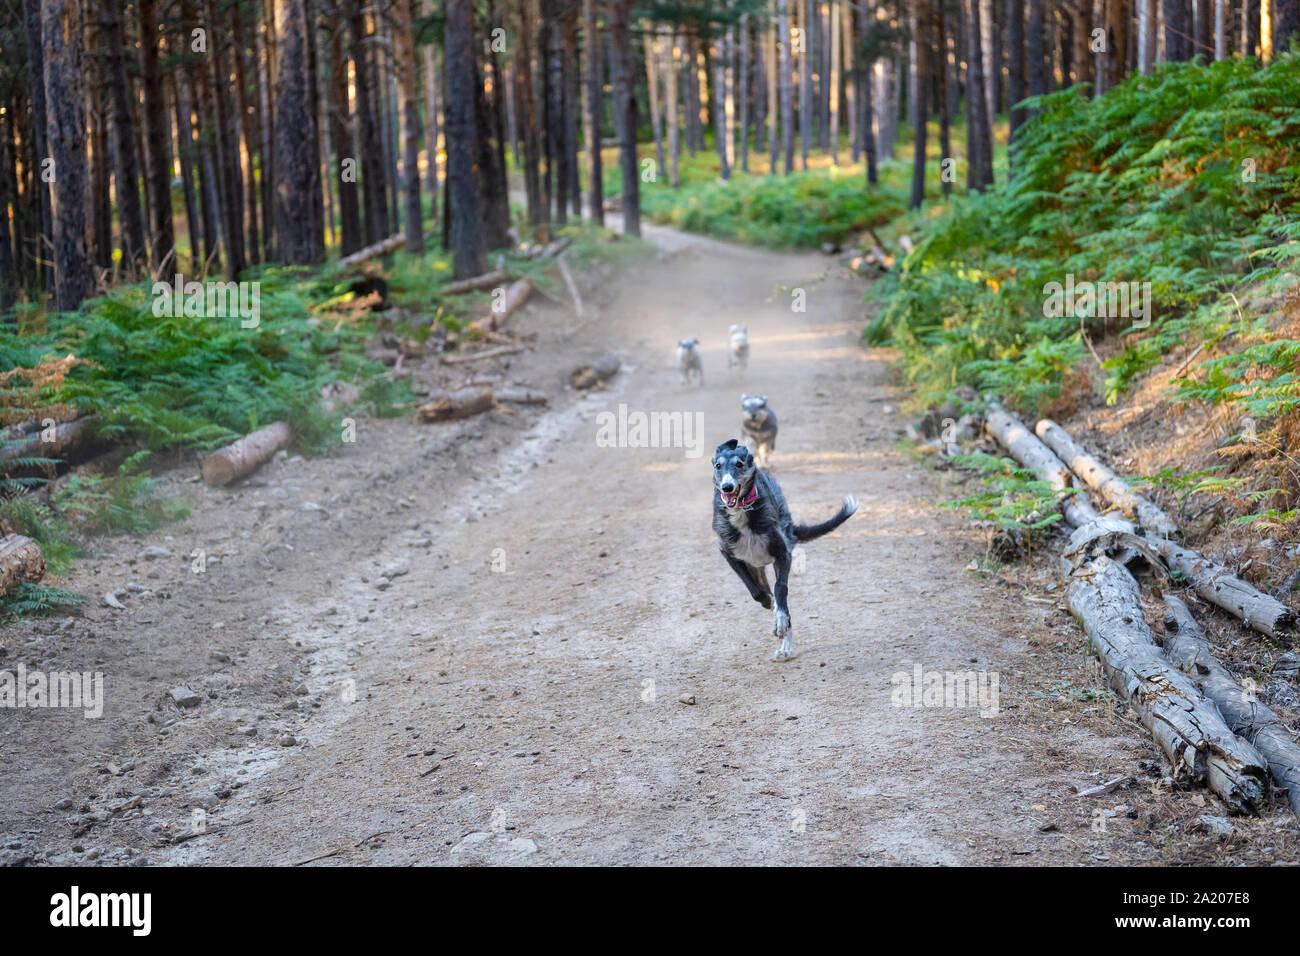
730,499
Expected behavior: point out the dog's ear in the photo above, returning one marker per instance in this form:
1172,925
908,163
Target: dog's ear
744,397
728,445
763,399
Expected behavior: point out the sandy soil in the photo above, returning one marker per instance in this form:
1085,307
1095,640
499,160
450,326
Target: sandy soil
472,643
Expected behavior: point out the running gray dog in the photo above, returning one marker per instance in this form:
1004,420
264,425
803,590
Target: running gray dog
688,361
754,529
759,426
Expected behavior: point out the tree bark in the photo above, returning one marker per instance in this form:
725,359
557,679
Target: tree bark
126,165
468,253
625,105
351,236
294,137
157,134
21,562
595,110
404,41
65,140
979,143
921,22
1285,24
787,87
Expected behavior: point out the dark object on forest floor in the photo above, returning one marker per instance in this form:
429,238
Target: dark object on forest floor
598,372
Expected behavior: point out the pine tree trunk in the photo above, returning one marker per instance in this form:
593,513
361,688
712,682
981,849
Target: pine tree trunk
1285,24
294,135
625,105
126,165
404,40
370,165
651,49
721,127
157,140
493,188
978,138
1178,28
229,171
344,173
463,212
250,120
573,104
805,84
1035,52
8,261
869,142
65,139
595,108
784,72
431,112
670,96
264,53
537,212
945,117
33,25
921,22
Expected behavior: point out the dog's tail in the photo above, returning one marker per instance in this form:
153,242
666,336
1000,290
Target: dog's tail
807,532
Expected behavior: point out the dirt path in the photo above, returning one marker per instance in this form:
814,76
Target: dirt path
476,648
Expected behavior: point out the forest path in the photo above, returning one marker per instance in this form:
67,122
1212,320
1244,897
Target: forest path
511,691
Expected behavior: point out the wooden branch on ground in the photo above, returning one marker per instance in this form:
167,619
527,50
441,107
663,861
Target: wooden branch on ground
1104,481
477,282
381,248
568,280
481,356
1186,646
1187,727
241,458
589,376
20,561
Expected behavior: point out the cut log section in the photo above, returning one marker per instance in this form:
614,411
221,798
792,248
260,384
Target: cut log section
242,458
1186,646
1104,481
467,402
1186,726
381,248
589,376
20,561
484,281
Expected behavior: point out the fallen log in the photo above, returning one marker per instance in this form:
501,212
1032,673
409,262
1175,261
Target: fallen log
1212,581
520,396
1104,595
381,248
515,295
20,561
487,279
481,356
241,458
67,440
1186,726
450,406
1186,646
1104,481
1221,587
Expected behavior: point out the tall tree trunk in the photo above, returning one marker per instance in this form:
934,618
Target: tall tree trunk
921,21
1178,29
805,84
404,42
625,105
65,131
651,50
225,135
250,114
595,108
32,17
8,261
557,167
431,110
945,117
264,53
670,95
351,236
126,165
371,165
979,141
870,144
573,104
537,212
787,87
468,254
294,137
1035,51
1251,30
494,191
1285,24
721,124
157,140
1016,85
833,105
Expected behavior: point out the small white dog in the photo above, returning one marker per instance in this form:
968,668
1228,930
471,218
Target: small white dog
738,346
688,361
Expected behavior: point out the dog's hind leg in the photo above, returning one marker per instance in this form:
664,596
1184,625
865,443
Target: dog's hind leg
745,573
781,616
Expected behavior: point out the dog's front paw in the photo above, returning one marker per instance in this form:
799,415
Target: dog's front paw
786,651
780,623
